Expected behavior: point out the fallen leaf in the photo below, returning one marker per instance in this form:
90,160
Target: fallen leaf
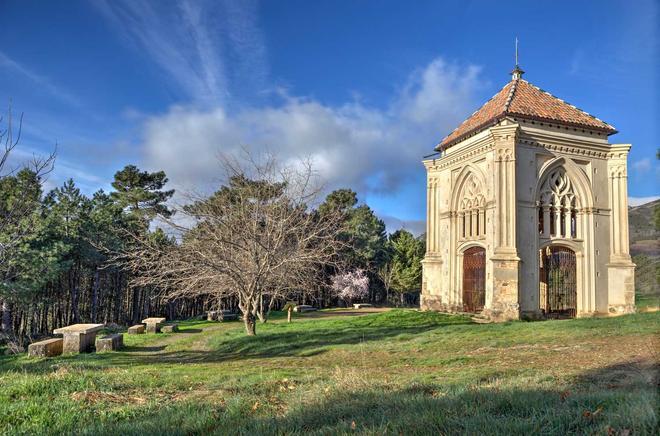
256,406
564,395
353,425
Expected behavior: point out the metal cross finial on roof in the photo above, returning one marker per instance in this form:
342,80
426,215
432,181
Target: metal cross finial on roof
516,51
517,71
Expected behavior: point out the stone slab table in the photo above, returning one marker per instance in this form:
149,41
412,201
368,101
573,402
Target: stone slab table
153,324
78,338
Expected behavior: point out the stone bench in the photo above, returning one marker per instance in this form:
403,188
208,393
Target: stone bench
137,329
46,348
153,324
171,328
226,315
109,342
361,305
302,308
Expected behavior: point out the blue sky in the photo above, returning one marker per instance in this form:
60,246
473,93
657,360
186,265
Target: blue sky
364,88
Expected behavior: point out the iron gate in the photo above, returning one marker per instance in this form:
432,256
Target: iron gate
474,279
558,288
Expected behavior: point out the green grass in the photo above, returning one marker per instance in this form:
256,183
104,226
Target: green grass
389,373
643,301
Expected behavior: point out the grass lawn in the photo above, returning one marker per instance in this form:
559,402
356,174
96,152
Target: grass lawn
396,372
645,301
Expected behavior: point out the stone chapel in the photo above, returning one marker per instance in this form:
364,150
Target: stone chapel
527,212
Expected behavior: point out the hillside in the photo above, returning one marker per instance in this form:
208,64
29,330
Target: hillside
642,228
397,372
645,247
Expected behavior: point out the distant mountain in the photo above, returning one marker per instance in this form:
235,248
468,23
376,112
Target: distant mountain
645,247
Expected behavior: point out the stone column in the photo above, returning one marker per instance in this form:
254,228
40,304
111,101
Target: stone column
546,221
483,222
473,224
557,218
567,222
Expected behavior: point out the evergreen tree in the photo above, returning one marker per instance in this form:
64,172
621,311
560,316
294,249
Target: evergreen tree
140,192
407,255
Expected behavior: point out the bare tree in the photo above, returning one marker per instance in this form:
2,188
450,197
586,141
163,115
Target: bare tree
386,275
256,237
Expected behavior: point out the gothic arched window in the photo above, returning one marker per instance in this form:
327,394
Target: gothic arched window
557,206
472,211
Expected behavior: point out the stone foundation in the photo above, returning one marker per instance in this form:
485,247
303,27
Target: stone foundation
434,302
621,309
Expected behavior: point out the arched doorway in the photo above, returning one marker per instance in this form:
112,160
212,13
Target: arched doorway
474,279
558,285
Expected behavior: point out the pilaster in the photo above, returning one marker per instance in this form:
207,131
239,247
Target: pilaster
620,269
505,302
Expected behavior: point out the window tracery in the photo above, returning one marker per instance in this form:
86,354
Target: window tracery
557,207
472,210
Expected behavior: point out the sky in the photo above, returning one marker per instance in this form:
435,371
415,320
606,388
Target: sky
364,89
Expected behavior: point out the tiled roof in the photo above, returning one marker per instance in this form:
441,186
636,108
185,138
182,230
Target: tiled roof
519,98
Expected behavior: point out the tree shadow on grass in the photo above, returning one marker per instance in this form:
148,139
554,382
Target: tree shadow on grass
143,349
588,405
188,331
303,340
427,409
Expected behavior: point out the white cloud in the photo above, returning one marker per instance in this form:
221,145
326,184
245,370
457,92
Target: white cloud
202,45
352,145
416,227
642,166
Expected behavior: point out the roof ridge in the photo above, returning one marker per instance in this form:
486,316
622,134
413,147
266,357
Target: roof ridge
509,98
569,104
477,110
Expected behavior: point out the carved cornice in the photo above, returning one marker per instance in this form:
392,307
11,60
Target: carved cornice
575,150
457,157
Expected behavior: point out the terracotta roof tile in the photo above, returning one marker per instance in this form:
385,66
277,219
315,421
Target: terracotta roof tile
522,99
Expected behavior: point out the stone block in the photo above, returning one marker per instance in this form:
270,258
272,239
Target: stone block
227,315
109,342
46,348
137,329
171,328
302,308
212,315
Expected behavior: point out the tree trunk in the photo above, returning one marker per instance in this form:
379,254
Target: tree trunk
289,312
95,294
260,310
136,305
75,298
5,319
250,323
